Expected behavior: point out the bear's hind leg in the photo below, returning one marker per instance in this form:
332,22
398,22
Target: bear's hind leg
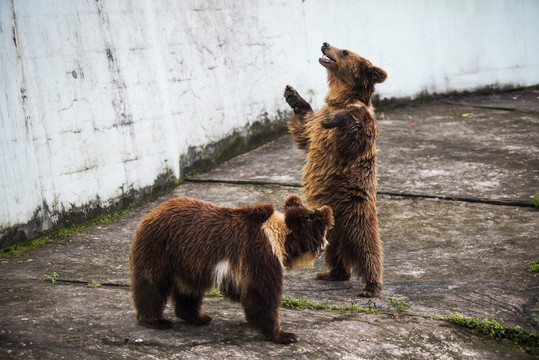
187,307
149,303
371,271
370,265
338,271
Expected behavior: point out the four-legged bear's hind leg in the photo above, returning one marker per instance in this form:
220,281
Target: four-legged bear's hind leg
187,307
149,303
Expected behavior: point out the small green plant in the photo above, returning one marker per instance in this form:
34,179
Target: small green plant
535,199
52,277
215,293
535,314
497,329
534,265
399,305
291,302
192,174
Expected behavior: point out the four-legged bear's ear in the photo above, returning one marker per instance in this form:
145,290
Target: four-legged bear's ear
293,201
377,74
326,215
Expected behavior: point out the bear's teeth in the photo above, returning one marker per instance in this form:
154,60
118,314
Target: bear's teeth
326,58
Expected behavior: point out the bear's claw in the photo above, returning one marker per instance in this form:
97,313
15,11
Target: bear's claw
285,338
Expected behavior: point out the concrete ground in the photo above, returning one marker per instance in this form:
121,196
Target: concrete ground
455,180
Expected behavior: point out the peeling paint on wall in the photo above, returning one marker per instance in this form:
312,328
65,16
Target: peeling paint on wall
99,99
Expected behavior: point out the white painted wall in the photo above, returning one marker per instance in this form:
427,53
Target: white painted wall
431,46
99,97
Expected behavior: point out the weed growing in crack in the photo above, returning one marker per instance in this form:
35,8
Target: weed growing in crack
535,314
52,277
215,293
495,329
290,302
533,266
535,199
399,305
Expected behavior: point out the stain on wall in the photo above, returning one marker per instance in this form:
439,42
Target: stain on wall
102,100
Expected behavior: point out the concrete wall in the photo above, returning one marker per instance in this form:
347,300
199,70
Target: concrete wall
103,100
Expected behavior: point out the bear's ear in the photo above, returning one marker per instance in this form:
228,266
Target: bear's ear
293,201
377,74
261,212
325,214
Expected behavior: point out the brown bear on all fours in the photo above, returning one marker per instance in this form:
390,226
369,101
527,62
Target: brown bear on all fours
186,247
339,141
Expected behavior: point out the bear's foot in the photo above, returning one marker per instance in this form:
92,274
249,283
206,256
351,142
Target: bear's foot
371,290
332,276
284,337
160,324
201,319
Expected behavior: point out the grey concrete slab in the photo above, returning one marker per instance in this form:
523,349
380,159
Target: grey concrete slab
443,256
433,150
525,100
73,322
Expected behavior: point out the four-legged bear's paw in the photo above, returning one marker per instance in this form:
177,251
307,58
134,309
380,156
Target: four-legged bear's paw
370,291
331,276
285,338
291,96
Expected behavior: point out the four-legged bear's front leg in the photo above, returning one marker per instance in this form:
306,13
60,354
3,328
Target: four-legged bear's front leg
262,313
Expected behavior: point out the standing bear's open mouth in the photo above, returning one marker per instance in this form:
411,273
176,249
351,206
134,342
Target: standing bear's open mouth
326,59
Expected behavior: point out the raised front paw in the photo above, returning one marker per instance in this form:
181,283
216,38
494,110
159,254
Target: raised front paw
291,96
284,337
296,102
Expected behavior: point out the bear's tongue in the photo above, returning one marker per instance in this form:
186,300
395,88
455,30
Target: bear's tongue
325,58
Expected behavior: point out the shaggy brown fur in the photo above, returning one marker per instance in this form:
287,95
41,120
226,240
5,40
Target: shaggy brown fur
186,247
340,172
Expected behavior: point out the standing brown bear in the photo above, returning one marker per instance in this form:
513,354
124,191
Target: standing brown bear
186,247
340,172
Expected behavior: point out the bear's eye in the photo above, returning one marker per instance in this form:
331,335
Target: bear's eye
345,53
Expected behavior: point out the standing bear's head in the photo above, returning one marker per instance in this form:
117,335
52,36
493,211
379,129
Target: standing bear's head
348,71
306,238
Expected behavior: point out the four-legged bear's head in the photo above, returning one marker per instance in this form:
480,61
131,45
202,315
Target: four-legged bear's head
307,236
349,70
